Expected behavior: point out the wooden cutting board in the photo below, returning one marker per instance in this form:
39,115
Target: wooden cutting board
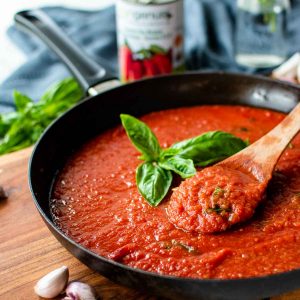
28,250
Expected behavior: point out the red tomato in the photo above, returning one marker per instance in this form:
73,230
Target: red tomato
125,62
163,63
136,70
150,68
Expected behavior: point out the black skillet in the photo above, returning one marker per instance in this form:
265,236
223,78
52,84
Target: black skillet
101,111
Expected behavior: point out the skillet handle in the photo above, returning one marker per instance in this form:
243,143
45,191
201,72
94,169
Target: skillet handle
88,73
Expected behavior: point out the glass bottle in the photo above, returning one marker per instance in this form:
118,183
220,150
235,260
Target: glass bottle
261,32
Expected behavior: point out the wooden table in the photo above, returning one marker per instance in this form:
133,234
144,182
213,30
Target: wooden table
28,250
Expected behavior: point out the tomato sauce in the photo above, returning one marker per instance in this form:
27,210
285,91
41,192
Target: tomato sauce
214,199
95,202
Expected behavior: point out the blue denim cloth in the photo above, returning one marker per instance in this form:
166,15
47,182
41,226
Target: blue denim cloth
209,44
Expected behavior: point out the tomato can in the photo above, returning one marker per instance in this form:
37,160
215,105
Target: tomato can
150,38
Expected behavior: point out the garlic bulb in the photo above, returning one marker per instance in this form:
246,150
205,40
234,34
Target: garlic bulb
80,291
52,284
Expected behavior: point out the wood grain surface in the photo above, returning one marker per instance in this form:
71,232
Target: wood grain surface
28,250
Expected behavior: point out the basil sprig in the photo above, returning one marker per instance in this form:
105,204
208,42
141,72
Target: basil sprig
23,127
154,175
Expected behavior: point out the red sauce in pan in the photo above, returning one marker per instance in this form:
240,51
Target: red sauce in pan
95,202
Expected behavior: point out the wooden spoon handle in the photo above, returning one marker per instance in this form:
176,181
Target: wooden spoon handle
267,150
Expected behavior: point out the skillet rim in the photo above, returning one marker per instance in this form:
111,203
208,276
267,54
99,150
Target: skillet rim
204,281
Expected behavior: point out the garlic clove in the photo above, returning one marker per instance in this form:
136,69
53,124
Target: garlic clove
52,284
80,291
288,69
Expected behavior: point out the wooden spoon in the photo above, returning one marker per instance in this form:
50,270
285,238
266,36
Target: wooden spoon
229,192
260,158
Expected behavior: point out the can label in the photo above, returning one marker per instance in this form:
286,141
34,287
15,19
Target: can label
150,39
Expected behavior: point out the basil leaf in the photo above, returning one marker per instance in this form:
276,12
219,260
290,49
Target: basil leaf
183,167
157,49
209,147
21,101
167,153
67,91
142,137
153,182
6,120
